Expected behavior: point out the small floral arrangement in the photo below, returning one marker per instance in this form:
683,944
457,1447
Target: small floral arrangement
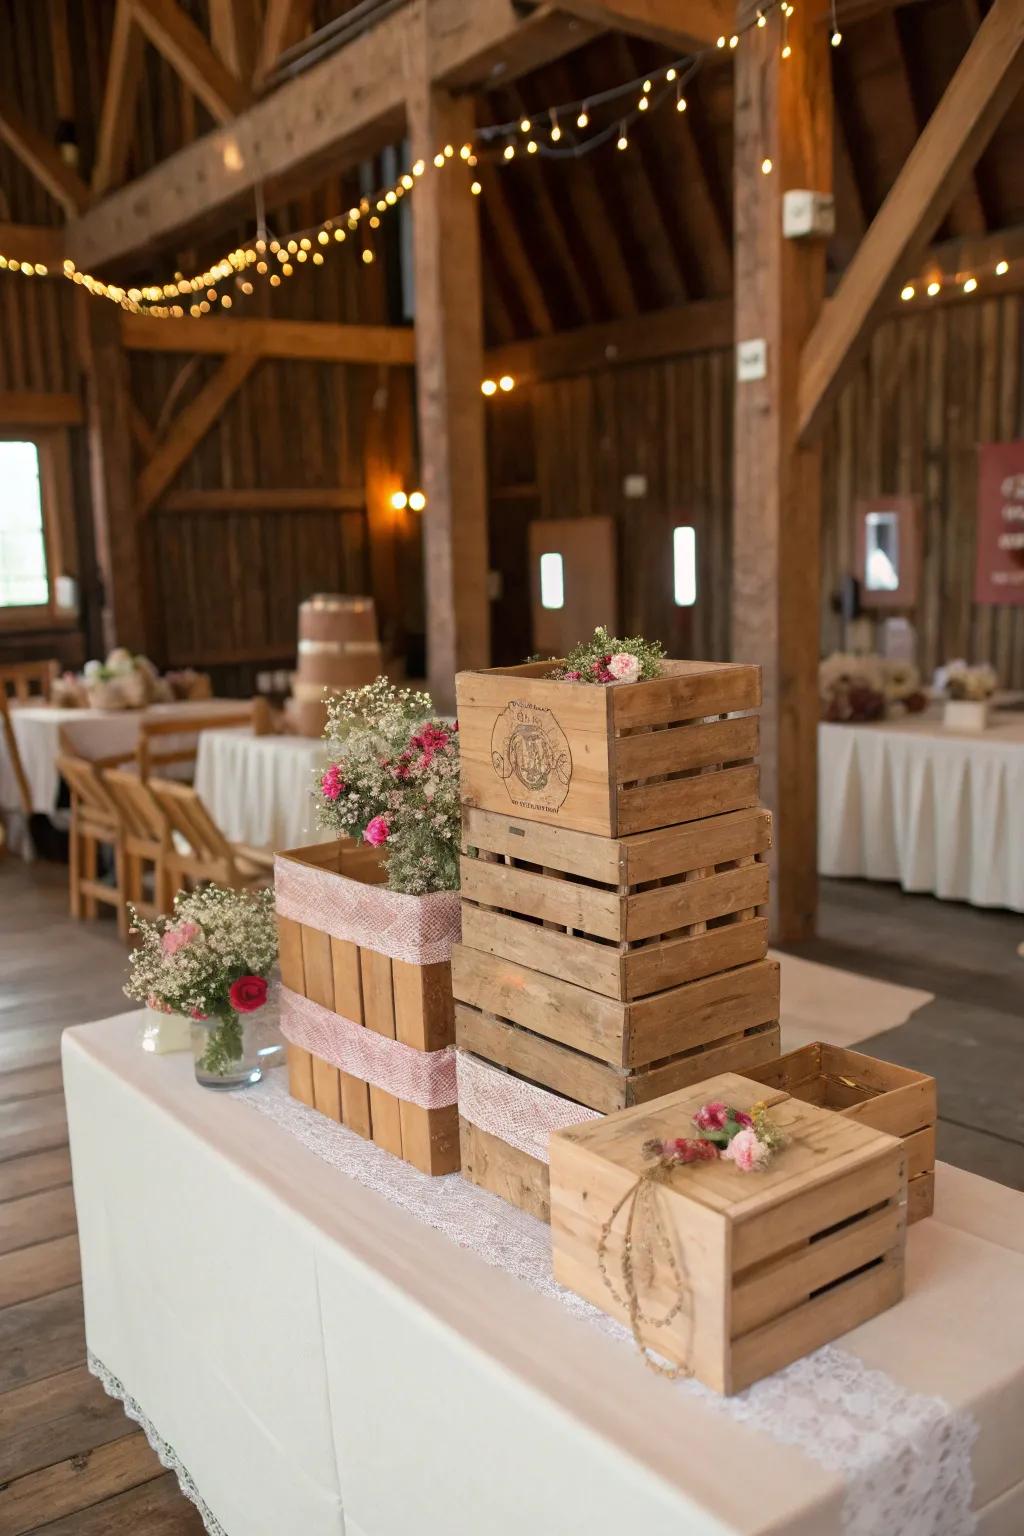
748,1140
210,960
959,681
858,688
393,781
606,659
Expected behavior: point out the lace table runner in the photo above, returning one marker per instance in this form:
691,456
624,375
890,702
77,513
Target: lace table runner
905,1457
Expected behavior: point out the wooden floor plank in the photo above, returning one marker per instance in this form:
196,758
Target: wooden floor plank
36,1218
29,1082
53,1419
39,1338
156,1508
31,1502
34,1172
33,1125
39,1270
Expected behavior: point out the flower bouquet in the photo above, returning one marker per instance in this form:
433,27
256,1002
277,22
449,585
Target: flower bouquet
968,692
209,961
606,659
854,689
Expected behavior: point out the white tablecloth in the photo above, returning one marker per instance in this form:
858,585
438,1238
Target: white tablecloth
937,811
89,733
325,1364
258,788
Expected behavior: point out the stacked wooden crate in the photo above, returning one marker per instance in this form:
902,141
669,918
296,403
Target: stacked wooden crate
613,874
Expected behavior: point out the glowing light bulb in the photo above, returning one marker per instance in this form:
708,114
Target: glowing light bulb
287,269
647,87
261,268
506,382
439,160
786,51
1002,267
510,150
339,234
367,257
836,39
399,500
275,281
225,300
970,285
762,19
476,188
466,151
721,42
531,148
933,289
323,237
525,125
733,40
766,166
622,142
907,293
417,501
583,119
305,243
488,387
680,103
419,168
670,75
642,104
302,256
318,259
556,133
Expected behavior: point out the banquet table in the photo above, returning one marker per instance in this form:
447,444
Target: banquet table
91,733
258,788
937,810
320,1340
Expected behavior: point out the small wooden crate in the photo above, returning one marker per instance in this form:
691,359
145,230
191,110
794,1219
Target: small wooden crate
774,1264
612,759
402,1001
877,1093
504,1170
625,917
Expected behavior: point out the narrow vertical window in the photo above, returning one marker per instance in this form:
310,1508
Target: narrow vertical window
24,581
684,566
552,581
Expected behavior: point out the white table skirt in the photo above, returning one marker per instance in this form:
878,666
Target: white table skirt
937,811
325,1364
89,733
258,789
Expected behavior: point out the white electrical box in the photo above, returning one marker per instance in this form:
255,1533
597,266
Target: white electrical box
634,487
808,215
751,360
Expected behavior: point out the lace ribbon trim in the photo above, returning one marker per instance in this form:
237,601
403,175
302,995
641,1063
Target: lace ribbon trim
417,929
165,1454
426,1078
519,1113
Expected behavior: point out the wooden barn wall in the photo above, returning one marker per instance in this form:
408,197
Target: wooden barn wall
934,386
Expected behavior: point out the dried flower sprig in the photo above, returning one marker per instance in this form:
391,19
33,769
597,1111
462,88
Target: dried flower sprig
748,1140
604,658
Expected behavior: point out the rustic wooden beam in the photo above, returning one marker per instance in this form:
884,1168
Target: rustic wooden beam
320,341
63,70
36,243
783,111
285,24
706,326
449,358
38,408
474,45
989,77
42,158
519,257
693,24
264,498
142,432
189,427
117,115
234,33
185,48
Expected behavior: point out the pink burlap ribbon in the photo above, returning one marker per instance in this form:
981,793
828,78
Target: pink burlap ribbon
417,929
426,1078
515,1111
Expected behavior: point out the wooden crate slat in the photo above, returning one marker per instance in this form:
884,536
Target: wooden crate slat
673,962
379,1015
686,799
688,691
348,1001
583,907
503,1170
588,964
648,753
649,913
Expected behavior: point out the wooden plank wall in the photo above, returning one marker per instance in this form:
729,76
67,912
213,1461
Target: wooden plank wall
935,385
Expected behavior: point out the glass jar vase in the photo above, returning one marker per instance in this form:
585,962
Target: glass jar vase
226,1052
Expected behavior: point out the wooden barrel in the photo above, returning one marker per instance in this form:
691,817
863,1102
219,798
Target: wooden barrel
338,649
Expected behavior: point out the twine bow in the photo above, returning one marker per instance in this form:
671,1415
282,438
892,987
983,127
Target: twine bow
644,1215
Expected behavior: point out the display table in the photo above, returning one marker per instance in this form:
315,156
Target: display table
317,1357
43,732
258,788
942,812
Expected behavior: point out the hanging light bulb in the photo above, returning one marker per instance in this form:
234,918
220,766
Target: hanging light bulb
488,387
475,188
670,74
531,148
762,19
907,293
933,289
556,132
680,99
836,39
970,284
766,166
1002,267
510,150
642,104
583,119
399,500
525,125
506,383
622,142
417,501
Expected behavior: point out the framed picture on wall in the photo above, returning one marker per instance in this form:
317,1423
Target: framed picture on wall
888,554
999,572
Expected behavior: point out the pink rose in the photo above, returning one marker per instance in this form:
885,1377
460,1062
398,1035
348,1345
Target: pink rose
573,676
248,993
195,1014
179,937
711,1117
377,831
746,1152
623,667
332,785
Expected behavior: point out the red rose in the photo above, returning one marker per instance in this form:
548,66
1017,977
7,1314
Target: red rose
248,993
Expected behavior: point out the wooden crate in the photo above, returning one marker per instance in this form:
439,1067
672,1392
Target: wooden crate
622,916
504,1170
877,1093
628,1035
775,1264
405,1002
611,760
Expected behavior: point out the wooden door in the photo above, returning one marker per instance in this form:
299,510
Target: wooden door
573,580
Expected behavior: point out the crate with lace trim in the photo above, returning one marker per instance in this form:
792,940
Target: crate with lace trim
877,1093
367,1001
729,1274
610,759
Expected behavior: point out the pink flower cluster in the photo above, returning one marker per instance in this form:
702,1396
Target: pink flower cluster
615,667
377,831
178,937
332,785
747,1151
712,1117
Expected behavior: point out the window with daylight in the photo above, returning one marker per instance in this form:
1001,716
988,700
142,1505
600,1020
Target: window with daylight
24,580
684,566
552,581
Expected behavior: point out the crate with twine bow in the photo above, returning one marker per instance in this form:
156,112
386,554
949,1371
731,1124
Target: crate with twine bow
724,1274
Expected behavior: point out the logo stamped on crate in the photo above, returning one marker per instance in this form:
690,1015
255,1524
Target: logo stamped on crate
530,754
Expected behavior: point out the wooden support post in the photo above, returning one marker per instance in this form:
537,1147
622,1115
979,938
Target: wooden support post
449,356
783,114
118,552
387,462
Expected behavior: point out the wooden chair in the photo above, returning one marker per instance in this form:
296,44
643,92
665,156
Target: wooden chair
198,848
17,767
94,824
25,680
145,841
152,758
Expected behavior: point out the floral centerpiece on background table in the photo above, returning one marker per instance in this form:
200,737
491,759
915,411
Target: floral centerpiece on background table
393,781
854,689
957,680
125,681
606,659
210,961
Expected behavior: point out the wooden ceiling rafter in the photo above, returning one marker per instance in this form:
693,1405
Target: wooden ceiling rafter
989,76
120,94
175,35
286,23
189,428
43,159
520,255
34,242
707,192
313,340
698,23
235,34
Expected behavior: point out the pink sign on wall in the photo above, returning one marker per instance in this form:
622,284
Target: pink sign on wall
999,573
